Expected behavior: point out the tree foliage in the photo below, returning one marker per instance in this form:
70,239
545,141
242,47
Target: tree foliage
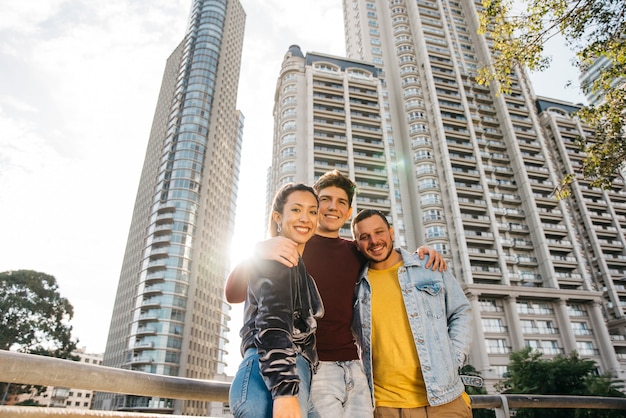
528,373
33,315
34,319
593,29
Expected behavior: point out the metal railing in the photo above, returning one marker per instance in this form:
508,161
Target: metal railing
21,368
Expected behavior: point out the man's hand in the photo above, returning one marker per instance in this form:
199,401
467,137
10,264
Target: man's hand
435,260
279,249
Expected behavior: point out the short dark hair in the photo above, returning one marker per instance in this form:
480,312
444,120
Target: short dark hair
368,213
335,178
281,197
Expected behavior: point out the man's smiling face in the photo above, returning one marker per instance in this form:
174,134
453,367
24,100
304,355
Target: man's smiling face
334,211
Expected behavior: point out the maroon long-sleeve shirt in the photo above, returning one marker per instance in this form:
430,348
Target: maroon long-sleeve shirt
334,264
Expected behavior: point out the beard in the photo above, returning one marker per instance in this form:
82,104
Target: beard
381,257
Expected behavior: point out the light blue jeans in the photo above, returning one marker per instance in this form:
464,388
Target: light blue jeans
340,389
250,398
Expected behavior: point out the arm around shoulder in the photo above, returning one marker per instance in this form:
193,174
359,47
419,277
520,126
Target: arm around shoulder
237,283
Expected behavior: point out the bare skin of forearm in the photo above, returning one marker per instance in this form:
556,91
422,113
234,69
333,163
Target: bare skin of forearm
236,285
278,249
286,407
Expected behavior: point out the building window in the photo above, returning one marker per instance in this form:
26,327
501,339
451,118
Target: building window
416,116
576,309
288,139
489,305
420,140
538,327
326,67
432,215
412,92
435,232
287,167
430,199
424,169
442,248
493,325
426,184
544,346
289,112
288,152
580,328
585,348
496,346
285,180
534,308
289,125
422,155
500,370
414,103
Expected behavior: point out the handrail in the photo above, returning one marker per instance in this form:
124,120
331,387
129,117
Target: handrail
48,371
23,368
548,401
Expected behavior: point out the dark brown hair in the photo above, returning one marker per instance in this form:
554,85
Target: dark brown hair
368,213
335,178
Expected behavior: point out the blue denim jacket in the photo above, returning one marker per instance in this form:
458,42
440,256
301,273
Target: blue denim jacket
440,318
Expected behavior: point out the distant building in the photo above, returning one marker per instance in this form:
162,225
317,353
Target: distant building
592,73
169,316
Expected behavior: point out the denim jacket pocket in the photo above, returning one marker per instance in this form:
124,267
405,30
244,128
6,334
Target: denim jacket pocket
431,288
431,295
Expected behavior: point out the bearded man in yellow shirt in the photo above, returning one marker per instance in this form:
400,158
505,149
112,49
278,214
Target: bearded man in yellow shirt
412,327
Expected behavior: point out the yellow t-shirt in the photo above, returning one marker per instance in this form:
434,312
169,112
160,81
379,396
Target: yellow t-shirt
398,380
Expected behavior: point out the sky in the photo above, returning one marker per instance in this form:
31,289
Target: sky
79,82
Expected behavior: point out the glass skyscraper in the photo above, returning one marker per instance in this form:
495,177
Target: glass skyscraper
169,315
465,170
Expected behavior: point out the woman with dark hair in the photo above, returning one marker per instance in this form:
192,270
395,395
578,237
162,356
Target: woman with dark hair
278,335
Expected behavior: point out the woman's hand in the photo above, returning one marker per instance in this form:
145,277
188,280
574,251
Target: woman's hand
286,407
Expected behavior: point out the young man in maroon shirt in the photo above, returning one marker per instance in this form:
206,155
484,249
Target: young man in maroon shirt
339,387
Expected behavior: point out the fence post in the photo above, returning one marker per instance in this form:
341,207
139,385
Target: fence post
503,410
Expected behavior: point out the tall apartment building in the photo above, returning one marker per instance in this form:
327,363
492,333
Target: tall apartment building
169,315
460,168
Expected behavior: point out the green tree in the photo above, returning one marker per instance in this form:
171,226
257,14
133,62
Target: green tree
34,318
528,373
593,29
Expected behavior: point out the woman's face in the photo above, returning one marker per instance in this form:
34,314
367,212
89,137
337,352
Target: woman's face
299,218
